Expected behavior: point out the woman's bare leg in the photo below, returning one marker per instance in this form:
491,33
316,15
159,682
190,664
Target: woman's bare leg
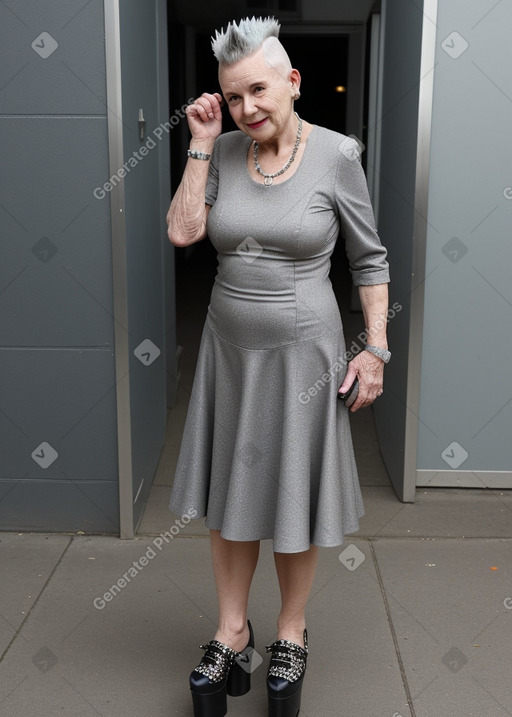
296,572
234,564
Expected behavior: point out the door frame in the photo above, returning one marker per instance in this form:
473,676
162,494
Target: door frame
119,268
426,92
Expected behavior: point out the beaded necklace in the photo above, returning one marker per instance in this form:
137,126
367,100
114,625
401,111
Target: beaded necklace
269,178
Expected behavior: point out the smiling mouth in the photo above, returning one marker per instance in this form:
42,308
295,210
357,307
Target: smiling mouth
255,125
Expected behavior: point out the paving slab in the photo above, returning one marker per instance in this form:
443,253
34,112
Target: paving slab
354,667
27,563
451,608
131,654
120,656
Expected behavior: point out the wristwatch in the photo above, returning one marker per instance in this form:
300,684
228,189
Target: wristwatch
383,354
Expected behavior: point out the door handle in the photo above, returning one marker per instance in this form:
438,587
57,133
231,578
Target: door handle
142,125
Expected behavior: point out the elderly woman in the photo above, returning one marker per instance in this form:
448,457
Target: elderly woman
266,451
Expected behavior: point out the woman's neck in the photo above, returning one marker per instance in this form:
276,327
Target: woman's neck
283,143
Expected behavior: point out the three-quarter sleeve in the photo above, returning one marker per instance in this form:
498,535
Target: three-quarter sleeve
365,253
212,183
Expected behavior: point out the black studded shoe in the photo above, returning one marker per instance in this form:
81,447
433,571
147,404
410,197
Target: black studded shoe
221,671
285,677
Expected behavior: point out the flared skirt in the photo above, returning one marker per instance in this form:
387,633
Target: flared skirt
266,451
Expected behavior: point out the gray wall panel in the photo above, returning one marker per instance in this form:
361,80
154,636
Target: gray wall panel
58,455
402,27
65,399
75,67
59,506
56,268
466,398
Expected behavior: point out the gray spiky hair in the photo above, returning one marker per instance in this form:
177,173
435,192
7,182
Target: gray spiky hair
241,40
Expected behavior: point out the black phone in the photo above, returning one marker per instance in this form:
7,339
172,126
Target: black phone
350,396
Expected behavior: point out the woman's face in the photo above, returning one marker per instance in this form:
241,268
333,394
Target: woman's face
259,97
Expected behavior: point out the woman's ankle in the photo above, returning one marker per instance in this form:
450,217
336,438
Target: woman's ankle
234,635
292,631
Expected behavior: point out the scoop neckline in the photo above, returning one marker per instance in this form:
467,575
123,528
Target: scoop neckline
286,181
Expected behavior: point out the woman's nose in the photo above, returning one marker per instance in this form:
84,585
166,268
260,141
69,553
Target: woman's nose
249,106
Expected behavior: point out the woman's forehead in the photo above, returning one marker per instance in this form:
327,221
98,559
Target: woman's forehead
246,72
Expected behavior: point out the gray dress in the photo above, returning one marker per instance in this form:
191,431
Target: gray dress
266,450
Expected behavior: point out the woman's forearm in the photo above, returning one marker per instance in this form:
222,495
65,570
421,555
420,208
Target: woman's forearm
186,218
374,300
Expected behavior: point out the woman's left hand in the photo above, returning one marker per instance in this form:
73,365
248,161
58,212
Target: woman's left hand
369,369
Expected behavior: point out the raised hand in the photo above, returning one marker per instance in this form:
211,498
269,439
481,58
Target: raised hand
204,116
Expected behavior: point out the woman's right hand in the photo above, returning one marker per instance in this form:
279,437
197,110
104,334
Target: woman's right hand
204,116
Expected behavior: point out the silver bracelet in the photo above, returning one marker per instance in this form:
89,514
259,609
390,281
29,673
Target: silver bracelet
196,154
383,354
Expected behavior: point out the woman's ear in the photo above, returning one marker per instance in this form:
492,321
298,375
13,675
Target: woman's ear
295,80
